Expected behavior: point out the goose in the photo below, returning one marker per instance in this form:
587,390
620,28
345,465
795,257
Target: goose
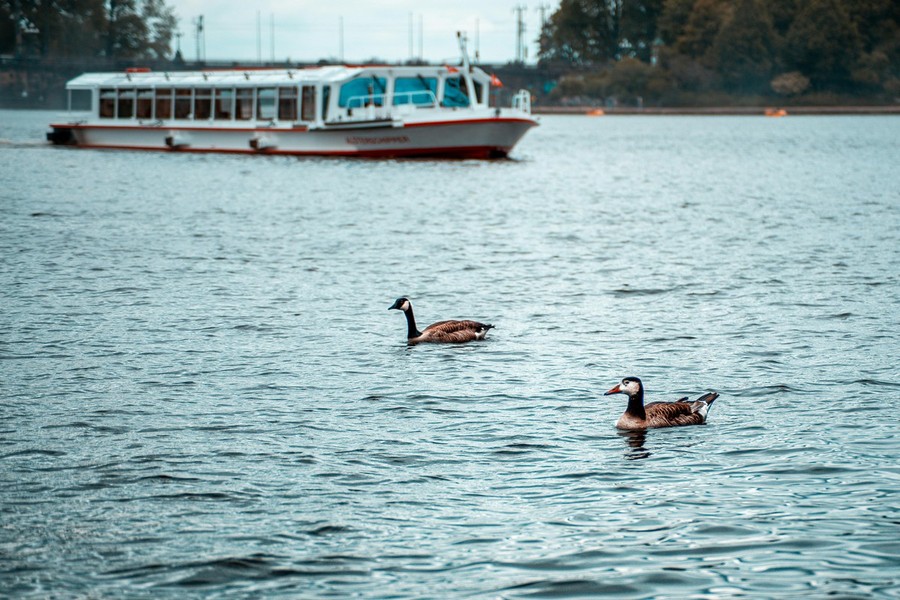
447,332
659,414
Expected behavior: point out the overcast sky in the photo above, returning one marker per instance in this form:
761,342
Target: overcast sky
307,30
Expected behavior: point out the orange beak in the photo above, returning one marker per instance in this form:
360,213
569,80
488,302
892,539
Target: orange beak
615,390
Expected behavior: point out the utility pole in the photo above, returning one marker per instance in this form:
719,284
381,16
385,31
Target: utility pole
341,38
421,38
543,8
520,32
477,41
200,38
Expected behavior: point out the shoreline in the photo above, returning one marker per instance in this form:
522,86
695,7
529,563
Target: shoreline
772,111
597,111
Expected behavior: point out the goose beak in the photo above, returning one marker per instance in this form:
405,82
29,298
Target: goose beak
395,305
615,390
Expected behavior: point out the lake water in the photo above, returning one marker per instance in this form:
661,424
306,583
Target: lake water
204,394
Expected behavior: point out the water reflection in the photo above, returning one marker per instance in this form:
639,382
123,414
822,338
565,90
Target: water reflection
635,440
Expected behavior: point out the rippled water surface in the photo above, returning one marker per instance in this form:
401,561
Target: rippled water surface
204,394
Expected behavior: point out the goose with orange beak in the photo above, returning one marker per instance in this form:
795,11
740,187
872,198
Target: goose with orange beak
659,414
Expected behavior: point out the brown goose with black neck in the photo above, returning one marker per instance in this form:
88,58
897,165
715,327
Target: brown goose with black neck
442,332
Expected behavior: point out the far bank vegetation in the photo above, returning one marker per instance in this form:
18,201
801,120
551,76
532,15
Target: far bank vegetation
721,52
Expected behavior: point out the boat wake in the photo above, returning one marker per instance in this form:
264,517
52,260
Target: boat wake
23,144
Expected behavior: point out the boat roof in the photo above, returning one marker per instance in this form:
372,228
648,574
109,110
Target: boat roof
246,77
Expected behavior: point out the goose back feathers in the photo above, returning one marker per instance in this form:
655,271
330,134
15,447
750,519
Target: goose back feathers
442,332
659,414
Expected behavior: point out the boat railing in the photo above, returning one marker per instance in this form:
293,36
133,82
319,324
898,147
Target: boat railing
366,100
522,101
424,98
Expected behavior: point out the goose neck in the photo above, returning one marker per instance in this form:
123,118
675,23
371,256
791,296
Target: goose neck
636,405
411,330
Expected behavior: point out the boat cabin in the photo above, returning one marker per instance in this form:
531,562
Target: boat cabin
316,97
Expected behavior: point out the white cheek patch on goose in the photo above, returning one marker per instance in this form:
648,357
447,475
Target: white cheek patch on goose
405,306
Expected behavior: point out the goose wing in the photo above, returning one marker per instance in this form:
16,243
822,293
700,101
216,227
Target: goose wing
681,412
669,414
455,331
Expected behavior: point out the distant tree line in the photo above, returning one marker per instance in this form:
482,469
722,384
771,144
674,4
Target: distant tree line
663,50
115,29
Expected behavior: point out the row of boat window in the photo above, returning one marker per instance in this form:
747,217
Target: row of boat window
208,103
282,103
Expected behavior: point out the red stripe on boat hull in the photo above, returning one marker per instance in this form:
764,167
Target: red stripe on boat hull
472,152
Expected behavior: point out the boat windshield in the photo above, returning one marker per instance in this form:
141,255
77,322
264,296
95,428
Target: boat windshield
362,91
455,93
415,90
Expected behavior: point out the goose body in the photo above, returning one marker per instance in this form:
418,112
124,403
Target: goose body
659,414
442,332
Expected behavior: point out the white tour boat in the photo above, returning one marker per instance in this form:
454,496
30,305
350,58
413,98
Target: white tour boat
373,111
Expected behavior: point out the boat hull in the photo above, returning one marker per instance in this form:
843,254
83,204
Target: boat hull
471,138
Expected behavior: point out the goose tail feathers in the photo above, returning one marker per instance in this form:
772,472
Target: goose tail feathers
708,398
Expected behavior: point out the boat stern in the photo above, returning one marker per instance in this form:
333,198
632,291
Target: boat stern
61,135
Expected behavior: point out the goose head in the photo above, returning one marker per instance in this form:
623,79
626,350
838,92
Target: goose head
401,304
630,386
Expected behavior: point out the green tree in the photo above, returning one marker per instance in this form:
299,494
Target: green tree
87,28
876,21
126,33
631,81
581,32
782,13
51,27
823,44
638,27
161,25
734,46
10,22
674,19
744,48
80,28
702,27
